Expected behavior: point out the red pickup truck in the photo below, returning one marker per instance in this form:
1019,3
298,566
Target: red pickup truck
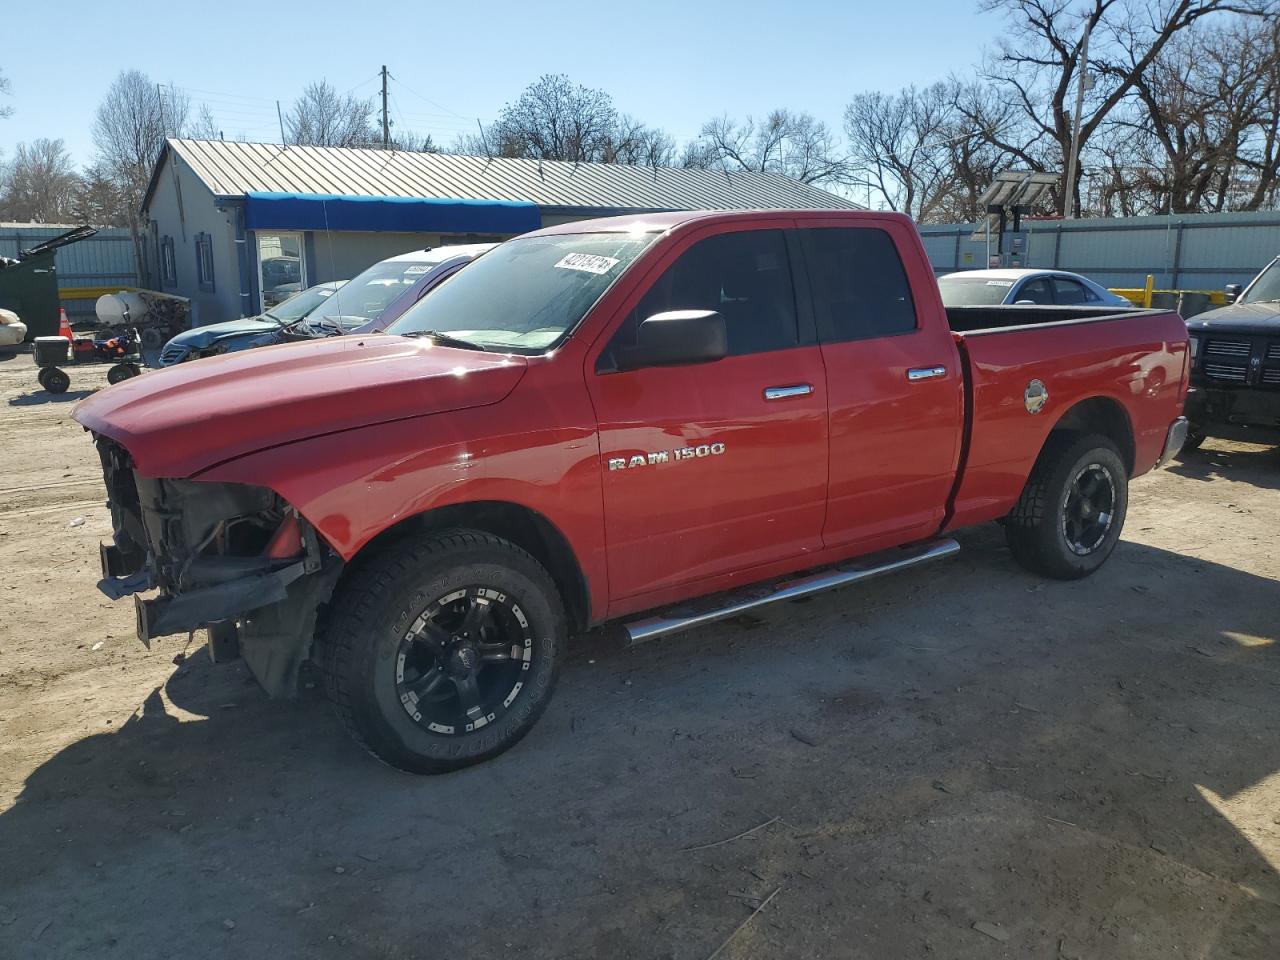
657,421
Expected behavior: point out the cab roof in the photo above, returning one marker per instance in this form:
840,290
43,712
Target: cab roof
662,222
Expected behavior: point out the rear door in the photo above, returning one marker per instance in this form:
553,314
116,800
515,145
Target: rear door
894,385
1037,290
714,468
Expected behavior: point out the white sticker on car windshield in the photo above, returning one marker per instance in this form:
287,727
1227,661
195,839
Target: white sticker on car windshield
587,262
999,283
416,269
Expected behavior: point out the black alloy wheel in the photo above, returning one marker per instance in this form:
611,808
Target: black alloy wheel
463,661
1089,509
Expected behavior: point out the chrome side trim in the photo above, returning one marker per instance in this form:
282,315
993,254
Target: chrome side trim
869,567
793,390
926,373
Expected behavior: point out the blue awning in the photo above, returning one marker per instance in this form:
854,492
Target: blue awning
320,211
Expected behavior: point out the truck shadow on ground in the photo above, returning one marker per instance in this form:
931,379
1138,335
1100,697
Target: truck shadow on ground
1246,463
1070,762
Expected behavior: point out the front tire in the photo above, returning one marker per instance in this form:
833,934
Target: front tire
1072,510
442,653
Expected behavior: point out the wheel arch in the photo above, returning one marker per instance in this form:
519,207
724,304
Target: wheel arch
1103,415
526,528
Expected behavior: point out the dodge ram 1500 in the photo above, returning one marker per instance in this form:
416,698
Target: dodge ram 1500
656,421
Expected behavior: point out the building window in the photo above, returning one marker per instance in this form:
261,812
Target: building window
168,263
204,261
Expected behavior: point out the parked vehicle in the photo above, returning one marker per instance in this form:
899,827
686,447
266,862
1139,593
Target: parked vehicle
281,279
12,330
217,338
655,421
379,295
971,288
1235,366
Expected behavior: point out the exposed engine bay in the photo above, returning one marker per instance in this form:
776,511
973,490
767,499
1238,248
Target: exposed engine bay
231,557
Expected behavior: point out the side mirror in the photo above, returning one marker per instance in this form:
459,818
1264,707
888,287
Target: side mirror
1232,290
677,337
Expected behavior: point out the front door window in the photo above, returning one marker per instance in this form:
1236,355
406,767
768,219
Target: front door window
281,267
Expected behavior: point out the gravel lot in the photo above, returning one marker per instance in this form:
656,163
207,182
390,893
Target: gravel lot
962,761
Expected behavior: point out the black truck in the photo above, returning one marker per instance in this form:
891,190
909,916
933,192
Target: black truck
1235,365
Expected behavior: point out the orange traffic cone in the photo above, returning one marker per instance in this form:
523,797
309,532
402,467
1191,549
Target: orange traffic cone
64,325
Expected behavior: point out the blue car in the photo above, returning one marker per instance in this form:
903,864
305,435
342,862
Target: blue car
216,338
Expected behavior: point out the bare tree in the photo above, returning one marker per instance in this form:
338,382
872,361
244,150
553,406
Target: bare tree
204,127
6,89
1038,60
130,128
411,142
784,141
556,119
39,183
322,117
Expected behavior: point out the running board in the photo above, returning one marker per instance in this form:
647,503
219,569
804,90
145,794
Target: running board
740,601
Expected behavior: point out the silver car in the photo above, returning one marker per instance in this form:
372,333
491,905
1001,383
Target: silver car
988,288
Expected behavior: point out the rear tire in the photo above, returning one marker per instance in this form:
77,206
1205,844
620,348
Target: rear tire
1072,510
442,653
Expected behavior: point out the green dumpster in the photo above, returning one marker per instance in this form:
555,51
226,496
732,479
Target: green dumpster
29,285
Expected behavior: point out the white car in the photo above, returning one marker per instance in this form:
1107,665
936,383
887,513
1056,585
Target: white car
987,288
12,330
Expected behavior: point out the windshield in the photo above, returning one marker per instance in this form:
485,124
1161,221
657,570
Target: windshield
526,294
365,296
962,291
300,304
1266,287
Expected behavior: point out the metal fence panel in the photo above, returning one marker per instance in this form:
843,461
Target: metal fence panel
1196,252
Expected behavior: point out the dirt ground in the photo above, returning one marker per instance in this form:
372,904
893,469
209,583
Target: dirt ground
960,762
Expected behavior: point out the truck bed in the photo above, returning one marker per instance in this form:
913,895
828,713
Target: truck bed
979,319
1129,365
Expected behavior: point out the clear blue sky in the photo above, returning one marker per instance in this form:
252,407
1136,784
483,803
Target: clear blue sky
671,64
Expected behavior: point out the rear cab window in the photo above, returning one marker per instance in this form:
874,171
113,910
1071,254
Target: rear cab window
858,283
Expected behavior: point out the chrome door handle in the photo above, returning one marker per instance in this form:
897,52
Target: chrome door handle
792,390
926,373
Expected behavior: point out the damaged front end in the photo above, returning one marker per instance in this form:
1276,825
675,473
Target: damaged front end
231,557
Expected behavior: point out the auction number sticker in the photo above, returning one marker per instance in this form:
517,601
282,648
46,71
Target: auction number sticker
416,269
587,262
999,283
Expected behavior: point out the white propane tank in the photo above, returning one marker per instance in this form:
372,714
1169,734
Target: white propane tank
120,309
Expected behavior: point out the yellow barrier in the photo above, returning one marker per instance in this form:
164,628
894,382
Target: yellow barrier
1141,296
88,293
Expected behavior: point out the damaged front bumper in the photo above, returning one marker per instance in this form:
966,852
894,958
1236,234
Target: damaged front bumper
230,557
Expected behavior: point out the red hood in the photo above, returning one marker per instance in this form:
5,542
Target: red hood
181,420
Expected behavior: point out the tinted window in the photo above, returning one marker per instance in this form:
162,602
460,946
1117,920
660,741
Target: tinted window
745,276
1070,292
1036,291
860,288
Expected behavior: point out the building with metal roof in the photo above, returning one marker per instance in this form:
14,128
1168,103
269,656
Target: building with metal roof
233,225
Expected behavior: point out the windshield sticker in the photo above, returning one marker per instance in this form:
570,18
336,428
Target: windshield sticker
416,269
999,283
587,262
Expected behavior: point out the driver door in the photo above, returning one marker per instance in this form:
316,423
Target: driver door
714,468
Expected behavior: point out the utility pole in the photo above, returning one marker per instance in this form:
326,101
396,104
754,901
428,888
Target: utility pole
1072,161
386,124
